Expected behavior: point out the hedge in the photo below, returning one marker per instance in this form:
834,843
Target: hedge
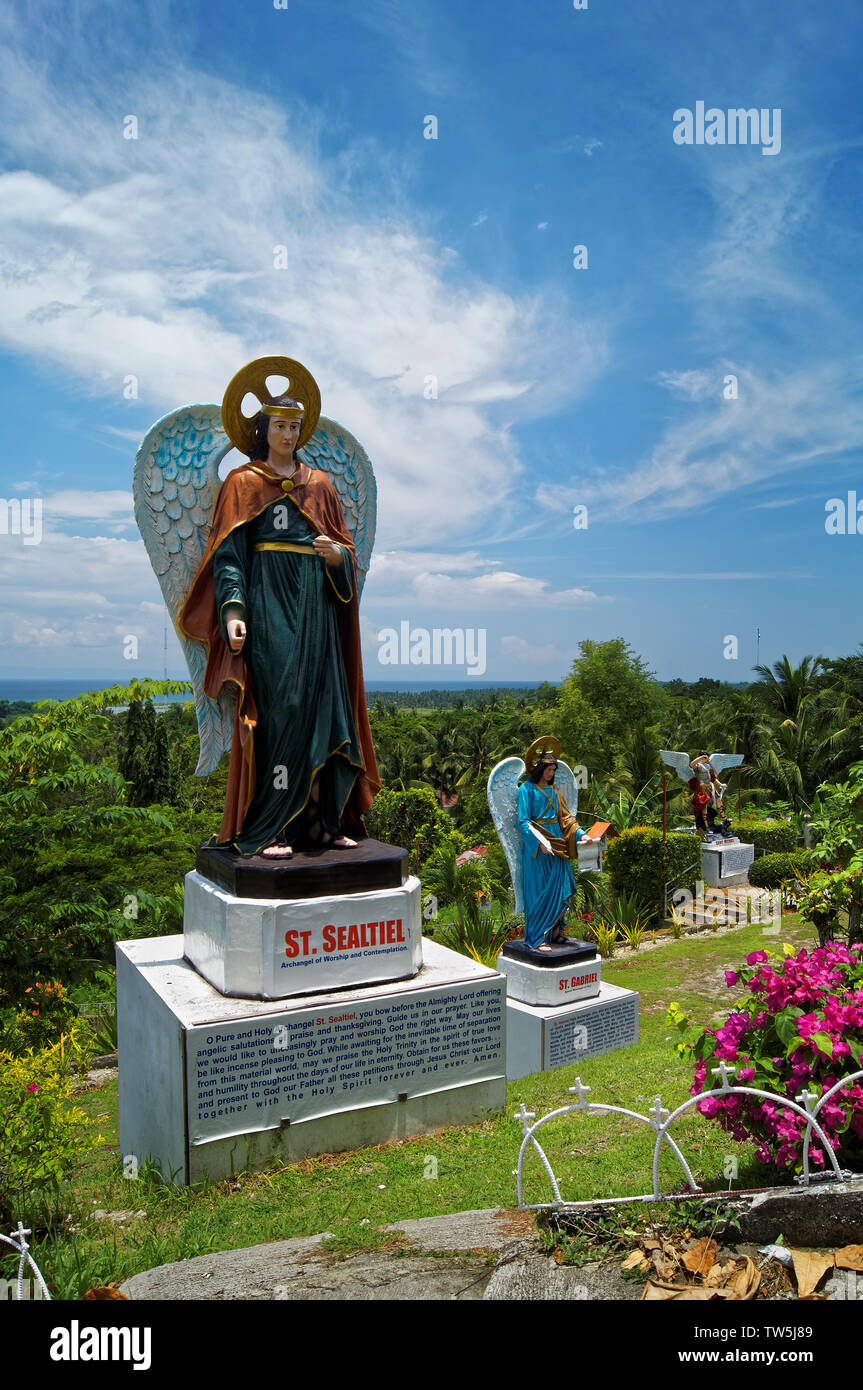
773,837
636,863
771,870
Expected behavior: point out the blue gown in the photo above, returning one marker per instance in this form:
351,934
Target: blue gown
547,881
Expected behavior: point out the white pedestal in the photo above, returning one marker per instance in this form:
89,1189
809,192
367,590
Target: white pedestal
542,1039
550,986
261,948
725,864
210,1085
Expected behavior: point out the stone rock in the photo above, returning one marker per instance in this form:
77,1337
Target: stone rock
824,1215
536,1278
289,1270
487,1229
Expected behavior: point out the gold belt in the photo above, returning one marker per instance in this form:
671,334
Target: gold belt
287,545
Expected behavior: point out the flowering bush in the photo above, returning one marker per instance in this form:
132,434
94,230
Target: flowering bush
42,1132
799,1029
47,1013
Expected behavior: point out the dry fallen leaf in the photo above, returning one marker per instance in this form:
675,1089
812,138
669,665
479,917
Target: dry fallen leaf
699,1259
665,1269
720,1274
683,1293
636,1260
809,1270
744,1282
850,1257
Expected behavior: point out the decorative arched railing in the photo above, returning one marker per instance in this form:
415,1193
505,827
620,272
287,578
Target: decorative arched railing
18,1241
806,1104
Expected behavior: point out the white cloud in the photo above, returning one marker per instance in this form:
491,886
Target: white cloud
695,385
155,257
524,654
780,422
92,506
462,582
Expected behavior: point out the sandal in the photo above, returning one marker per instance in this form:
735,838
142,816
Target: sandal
324,838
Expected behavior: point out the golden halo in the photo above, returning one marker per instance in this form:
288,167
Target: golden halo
547,743
240,428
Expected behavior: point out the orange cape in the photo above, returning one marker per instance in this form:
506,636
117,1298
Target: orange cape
245,493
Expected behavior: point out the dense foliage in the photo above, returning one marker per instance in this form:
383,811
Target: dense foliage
639,864
772,870
770,837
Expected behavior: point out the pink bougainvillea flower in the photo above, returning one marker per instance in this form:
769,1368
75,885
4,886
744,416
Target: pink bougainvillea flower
32,1086
731,977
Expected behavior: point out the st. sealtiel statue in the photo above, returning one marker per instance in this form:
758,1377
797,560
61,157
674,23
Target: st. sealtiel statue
262,576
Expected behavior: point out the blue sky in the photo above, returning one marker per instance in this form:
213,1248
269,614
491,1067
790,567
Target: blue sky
451,257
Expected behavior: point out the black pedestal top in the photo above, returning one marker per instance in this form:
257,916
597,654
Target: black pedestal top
560,954
314,874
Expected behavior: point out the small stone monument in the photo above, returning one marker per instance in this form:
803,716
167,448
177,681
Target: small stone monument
559,1010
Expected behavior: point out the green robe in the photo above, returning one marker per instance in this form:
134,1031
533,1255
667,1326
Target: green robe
294,654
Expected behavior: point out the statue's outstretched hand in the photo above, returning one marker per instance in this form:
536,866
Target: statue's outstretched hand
236,630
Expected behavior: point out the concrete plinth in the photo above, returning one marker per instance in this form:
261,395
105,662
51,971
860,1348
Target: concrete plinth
542,1039
210,1085
550,986
726,864
258,948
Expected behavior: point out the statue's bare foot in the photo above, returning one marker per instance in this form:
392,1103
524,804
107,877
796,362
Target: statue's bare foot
543,947
341,842
277,852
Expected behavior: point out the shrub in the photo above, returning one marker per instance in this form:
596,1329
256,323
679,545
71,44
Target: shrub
413,820
771,870
773,837
43,1134
637,864
799,1028
48,1012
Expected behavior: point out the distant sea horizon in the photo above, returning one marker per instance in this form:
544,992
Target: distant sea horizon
32,688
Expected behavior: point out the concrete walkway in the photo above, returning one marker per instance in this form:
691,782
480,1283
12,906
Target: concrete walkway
471,1255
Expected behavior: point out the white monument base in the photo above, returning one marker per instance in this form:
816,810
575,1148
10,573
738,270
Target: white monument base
726,863
262,948
211,1085
550,986
542,1039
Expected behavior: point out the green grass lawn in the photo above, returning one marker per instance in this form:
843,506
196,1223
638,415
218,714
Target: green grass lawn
353,1195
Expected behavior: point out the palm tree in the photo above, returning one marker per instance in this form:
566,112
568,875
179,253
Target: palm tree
459,883
629,810
785,689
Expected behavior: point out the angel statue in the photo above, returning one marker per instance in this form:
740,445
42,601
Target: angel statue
701,775
539,834
262,577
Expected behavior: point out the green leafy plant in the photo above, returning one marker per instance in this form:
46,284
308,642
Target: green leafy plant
605,936
43,1133
772,870
638,863
773,837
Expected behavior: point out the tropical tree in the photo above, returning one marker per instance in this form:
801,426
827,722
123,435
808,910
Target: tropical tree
461,884
785,689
